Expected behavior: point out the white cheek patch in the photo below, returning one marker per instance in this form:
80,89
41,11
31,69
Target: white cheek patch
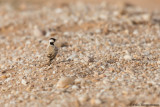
51,41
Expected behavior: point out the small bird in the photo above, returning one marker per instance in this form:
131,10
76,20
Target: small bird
52,50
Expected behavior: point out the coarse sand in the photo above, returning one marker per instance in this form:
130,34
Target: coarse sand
109,54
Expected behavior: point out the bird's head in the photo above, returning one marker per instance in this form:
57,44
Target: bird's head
52,41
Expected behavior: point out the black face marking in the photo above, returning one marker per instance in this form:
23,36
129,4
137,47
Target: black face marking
51,43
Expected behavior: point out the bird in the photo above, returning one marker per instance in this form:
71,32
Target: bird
52,50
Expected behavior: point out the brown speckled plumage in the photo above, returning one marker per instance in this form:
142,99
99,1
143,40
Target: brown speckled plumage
51,52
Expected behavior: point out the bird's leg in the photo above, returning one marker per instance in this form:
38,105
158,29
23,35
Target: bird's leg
48,62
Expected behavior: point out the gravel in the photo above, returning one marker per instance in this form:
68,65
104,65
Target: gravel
108,55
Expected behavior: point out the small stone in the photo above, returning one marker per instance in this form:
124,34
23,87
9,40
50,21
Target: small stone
54,72
28,42
98,30
96,101
24,82
96,74
65,81
111,69
74,55
36,31
127,57
102,75
3,77
88,59
79,80
83,98
29,88
135,32
126,32
91,59
66,33
58,10
75,87
158,62
32,97
146,17
105,29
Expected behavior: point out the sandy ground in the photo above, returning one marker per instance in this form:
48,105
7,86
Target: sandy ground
108,53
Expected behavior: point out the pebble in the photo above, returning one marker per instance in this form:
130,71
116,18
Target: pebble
36,31
54,72
127,57
91,42
91,59
65,81
158,62
83,98
98,30
71,57
58,10
146,17
79,80
75,87
95,101
3,77
88,59
24,82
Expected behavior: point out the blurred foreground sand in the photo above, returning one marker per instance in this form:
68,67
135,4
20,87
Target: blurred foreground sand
108,53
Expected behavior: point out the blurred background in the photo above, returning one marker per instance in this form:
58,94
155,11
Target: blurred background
111,48
31,4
